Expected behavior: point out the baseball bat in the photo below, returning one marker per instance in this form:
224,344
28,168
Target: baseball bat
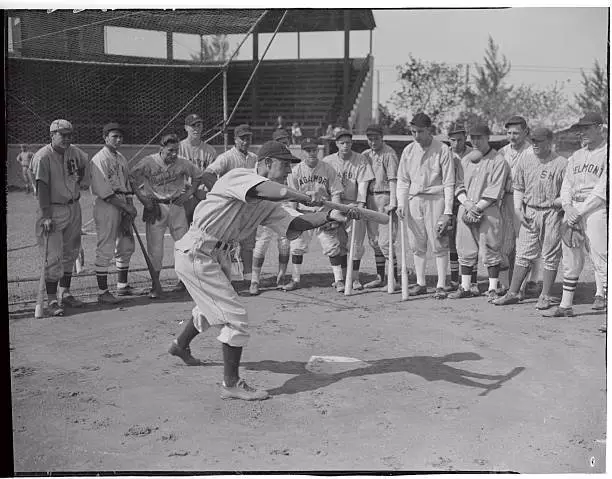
390,272
404,266
38,310
368,215
348,286
152,272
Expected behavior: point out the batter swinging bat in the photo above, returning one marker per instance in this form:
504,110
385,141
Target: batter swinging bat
390,271
38,311
404,266
348,286
152,272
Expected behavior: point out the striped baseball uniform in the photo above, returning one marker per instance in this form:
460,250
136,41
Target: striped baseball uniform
384,165
483,179
202,258
324,180
452,237
585,180
540,182
110,176
201,155
164,184
422,176
351,171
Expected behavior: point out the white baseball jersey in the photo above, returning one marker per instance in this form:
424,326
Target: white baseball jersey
384,165
322,178
201,155
62,173
351,171
231,159
109,174
585,168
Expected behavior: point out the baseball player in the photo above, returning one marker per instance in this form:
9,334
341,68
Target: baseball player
355,172
537,184
382,197
59,169
264,236
239,202
237,157
425,195
457,136
199,153
312,175
24,158
584,200
480,189
163,182
113,213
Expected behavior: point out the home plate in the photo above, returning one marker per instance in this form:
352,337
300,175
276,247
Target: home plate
334,364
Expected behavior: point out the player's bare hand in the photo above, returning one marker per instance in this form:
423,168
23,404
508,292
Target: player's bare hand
316,198
401,212
131,211
572,215
390,208
47,225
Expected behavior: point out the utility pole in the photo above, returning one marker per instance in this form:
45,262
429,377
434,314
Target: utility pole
376,109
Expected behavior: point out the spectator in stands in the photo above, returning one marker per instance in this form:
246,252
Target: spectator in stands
280,124
296,133
329,133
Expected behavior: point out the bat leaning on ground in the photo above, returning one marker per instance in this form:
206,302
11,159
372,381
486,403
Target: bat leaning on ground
348,285
152,272
390,269
40,298
404,265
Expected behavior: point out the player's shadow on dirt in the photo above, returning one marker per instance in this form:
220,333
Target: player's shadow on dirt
431,368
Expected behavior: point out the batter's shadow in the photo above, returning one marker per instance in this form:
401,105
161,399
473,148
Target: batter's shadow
430,368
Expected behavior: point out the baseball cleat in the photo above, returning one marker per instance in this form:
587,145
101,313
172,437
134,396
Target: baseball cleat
559,312
508,298
54,309
184,354
494,294
125,291
546,302
599,304
107,298
179,288
243,391
70,301
254,289
357,286
474,289
452,286
291,285
461,293
155,294
416,290
339,285
377,283
440,294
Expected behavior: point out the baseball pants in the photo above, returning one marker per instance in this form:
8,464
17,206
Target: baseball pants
486,233
509,230
330,243
421,225
64,240
190,206
378,235
595,226
344,236
173,218
205,272
26,174
262,241
542,240
111,242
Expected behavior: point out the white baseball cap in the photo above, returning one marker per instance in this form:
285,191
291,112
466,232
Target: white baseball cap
62,126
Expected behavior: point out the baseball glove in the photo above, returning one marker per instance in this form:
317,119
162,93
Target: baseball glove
445,224
152,214
471,217
572,236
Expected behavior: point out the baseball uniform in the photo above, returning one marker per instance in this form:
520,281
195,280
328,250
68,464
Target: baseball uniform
452,237
540,182
483,179
163,184
24,158
201,155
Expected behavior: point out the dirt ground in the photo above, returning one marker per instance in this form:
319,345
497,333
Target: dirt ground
438,386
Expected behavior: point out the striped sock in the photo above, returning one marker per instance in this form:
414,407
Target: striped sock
122,274
454,267
569,288
66,280
379,259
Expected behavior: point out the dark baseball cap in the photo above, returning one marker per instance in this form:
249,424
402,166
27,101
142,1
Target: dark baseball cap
376,129
480,129
457,127
591,118
516,120
274,149
342,132
421,120
110,127
192,119
541,134
309,144
242,130
279,134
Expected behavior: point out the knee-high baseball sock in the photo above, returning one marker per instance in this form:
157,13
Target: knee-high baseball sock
379,259
247,262
420,263
65,280
257,265
51,287
102,280
122,275
474,275
283,262
231,364
187,334
356,266
493,272
297,261
536,270
569,288
599,286
548,279
520,273
454,266
336,264
441,265
504,277
466,277
343,263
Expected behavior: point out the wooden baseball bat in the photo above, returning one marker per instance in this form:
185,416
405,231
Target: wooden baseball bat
404,266
368,215
156,284
39,310
348,285
390,272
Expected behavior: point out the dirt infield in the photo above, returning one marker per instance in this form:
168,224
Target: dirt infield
438,386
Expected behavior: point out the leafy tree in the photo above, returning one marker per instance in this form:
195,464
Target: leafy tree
213,49
595,90
546,106
392,124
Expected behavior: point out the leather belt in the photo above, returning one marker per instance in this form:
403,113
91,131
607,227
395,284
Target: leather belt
540,207
69,202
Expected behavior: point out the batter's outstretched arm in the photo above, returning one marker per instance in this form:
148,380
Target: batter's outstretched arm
309,221
209,178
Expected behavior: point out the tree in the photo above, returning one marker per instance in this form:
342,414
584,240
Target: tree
430,87
392,124
213,49
595,91
546,106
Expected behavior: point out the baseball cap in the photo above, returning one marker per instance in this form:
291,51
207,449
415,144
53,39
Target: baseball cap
480,129
591,118
516,120
279,134
63,126
110,127
457,127
377,129
192,119
242,130
309,144
421,120
169,138
541,134
274,149
342,132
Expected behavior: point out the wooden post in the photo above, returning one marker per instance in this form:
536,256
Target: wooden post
347,64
